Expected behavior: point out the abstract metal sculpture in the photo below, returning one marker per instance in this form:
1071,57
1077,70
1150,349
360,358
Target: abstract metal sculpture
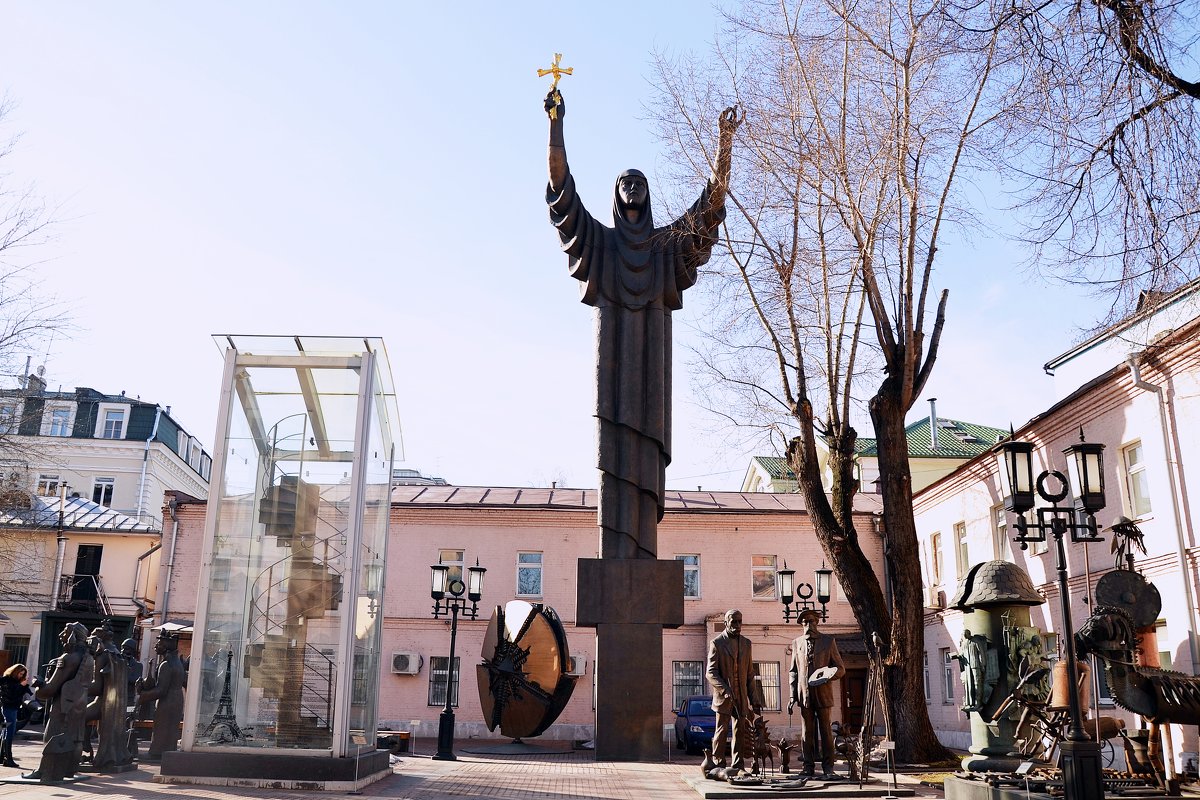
524,680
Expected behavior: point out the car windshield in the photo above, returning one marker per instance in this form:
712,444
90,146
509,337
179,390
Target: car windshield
700,708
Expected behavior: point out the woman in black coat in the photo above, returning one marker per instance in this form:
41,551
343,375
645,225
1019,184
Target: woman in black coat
14,688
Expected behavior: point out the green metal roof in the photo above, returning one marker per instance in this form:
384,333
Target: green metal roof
956,439
776,467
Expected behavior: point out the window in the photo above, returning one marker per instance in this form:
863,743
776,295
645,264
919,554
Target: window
47,485
359,686
925,665
1000,533
935,557
437,681
1135,475
962,553
1039,548
762,577
529,574
10,418
454,559
1104,693
687,679
1050,648
58,421
18,651
102,491
949,674
194,457
114,424
767,675
1164,650
691,576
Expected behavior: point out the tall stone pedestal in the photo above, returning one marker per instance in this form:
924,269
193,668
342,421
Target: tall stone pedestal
629,602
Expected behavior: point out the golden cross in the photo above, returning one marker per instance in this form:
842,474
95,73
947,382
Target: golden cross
557,72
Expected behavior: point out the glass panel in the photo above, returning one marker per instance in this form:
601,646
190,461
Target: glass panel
768,681
529,574
762,577
688,680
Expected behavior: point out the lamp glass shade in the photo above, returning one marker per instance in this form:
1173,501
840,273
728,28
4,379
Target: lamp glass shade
1017,472
439,575
1085,461
824,584
475,582
786,578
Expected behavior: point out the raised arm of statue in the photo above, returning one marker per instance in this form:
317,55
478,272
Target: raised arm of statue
719,180
558,149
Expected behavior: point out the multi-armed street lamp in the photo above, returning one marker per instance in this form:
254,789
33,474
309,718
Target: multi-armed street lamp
802,593
1083,778
455,604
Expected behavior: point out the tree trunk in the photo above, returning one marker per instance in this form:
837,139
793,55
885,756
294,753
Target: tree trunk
904,679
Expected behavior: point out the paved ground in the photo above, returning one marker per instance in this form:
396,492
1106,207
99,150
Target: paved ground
417,777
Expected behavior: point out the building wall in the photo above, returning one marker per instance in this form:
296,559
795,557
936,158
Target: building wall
724,541
1112,410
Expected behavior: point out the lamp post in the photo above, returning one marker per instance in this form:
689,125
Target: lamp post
1083,778
802,593
442,585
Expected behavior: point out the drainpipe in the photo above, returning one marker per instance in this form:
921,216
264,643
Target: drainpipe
146,459
166,601
933,430
143,609
61,556
1181,539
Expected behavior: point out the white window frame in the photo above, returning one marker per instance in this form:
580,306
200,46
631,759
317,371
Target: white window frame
949,674
962,550
690,568
102,412
756,568
10,418
446,556
110,483
999,519
51,482
52,414
687,680
925,665
530,566
935,558
767,674
452,676
1137,484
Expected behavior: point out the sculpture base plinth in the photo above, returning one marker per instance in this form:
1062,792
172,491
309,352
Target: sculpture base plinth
629,602
315,772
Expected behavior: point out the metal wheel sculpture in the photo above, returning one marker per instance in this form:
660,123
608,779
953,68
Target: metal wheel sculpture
523,681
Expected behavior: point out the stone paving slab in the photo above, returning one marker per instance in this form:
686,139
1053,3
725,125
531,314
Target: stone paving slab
553,776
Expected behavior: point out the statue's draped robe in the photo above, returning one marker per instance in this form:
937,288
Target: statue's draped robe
634,275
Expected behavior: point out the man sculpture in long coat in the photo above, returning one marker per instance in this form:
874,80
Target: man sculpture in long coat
813,651
731,675
634,274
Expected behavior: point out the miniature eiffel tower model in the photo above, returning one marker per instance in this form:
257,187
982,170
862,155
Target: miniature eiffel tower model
224,727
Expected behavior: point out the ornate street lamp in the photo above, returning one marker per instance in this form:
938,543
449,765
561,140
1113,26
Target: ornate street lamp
440,586
1083,778
803,593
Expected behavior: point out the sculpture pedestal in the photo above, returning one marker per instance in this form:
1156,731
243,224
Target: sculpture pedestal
629,602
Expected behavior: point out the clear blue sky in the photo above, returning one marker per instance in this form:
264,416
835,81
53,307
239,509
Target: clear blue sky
378,168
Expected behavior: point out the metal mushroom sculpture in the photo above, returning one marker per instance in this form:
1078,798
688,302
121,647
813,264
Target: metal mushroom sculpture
524,680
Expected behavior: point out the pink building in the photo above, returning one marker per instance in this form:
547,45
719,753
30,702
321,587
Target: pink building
1136,389
529,540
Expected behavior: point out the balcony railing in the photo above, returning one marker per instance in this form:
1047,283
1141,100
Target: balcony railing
82,593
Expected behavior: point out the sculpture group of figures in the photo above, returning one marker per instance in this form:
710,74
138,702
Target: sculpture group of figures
737,702
93,682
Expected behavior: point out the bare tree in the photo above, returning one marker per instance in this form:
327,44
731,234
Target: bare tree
860,122
1104,140
28,317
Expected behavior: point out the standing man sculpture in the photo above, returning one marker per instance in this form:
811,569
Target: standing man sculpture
731,675
634,275
816,664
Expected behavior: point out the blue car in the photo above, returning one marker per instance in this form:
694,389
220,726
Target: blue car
694,723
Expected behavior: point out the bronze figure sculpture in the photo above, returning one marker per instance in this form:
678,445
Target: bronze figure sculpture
634,275
164,688
108,708
816,664
731,675
66,694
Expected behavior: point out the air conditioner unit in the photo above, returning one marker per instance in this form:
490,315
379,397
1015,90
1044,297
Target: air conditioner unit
578,665
406,663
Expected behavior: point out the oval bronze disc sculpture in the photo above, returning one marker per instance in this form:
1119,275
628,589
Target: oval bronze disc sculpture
523,681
